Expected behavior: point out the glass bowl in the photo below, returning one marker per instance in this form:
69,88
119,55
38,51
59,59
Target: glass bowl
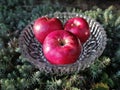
92,48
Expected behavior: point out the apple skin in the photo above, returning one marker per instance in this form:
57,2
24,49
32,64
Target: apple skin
61,47
44,25
79,27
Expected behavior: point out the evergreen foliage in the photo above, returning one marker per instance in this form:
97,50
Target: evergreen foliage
18,74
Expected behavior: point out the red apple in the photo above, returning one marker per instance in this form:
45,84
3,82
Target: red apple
61,47
44,25
79,27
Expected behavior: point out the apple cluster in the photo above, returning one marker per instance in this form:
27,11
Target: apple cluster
61,44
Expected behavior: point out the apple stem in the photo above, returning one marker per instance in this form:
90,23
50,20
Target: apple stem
47,18
61,42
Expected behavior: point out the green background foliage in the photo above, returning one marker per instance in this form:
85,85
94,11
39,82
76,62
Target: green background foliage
18,74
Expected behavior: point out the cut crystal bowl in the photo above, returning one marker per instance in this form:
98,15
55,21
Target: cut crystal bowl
92,48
